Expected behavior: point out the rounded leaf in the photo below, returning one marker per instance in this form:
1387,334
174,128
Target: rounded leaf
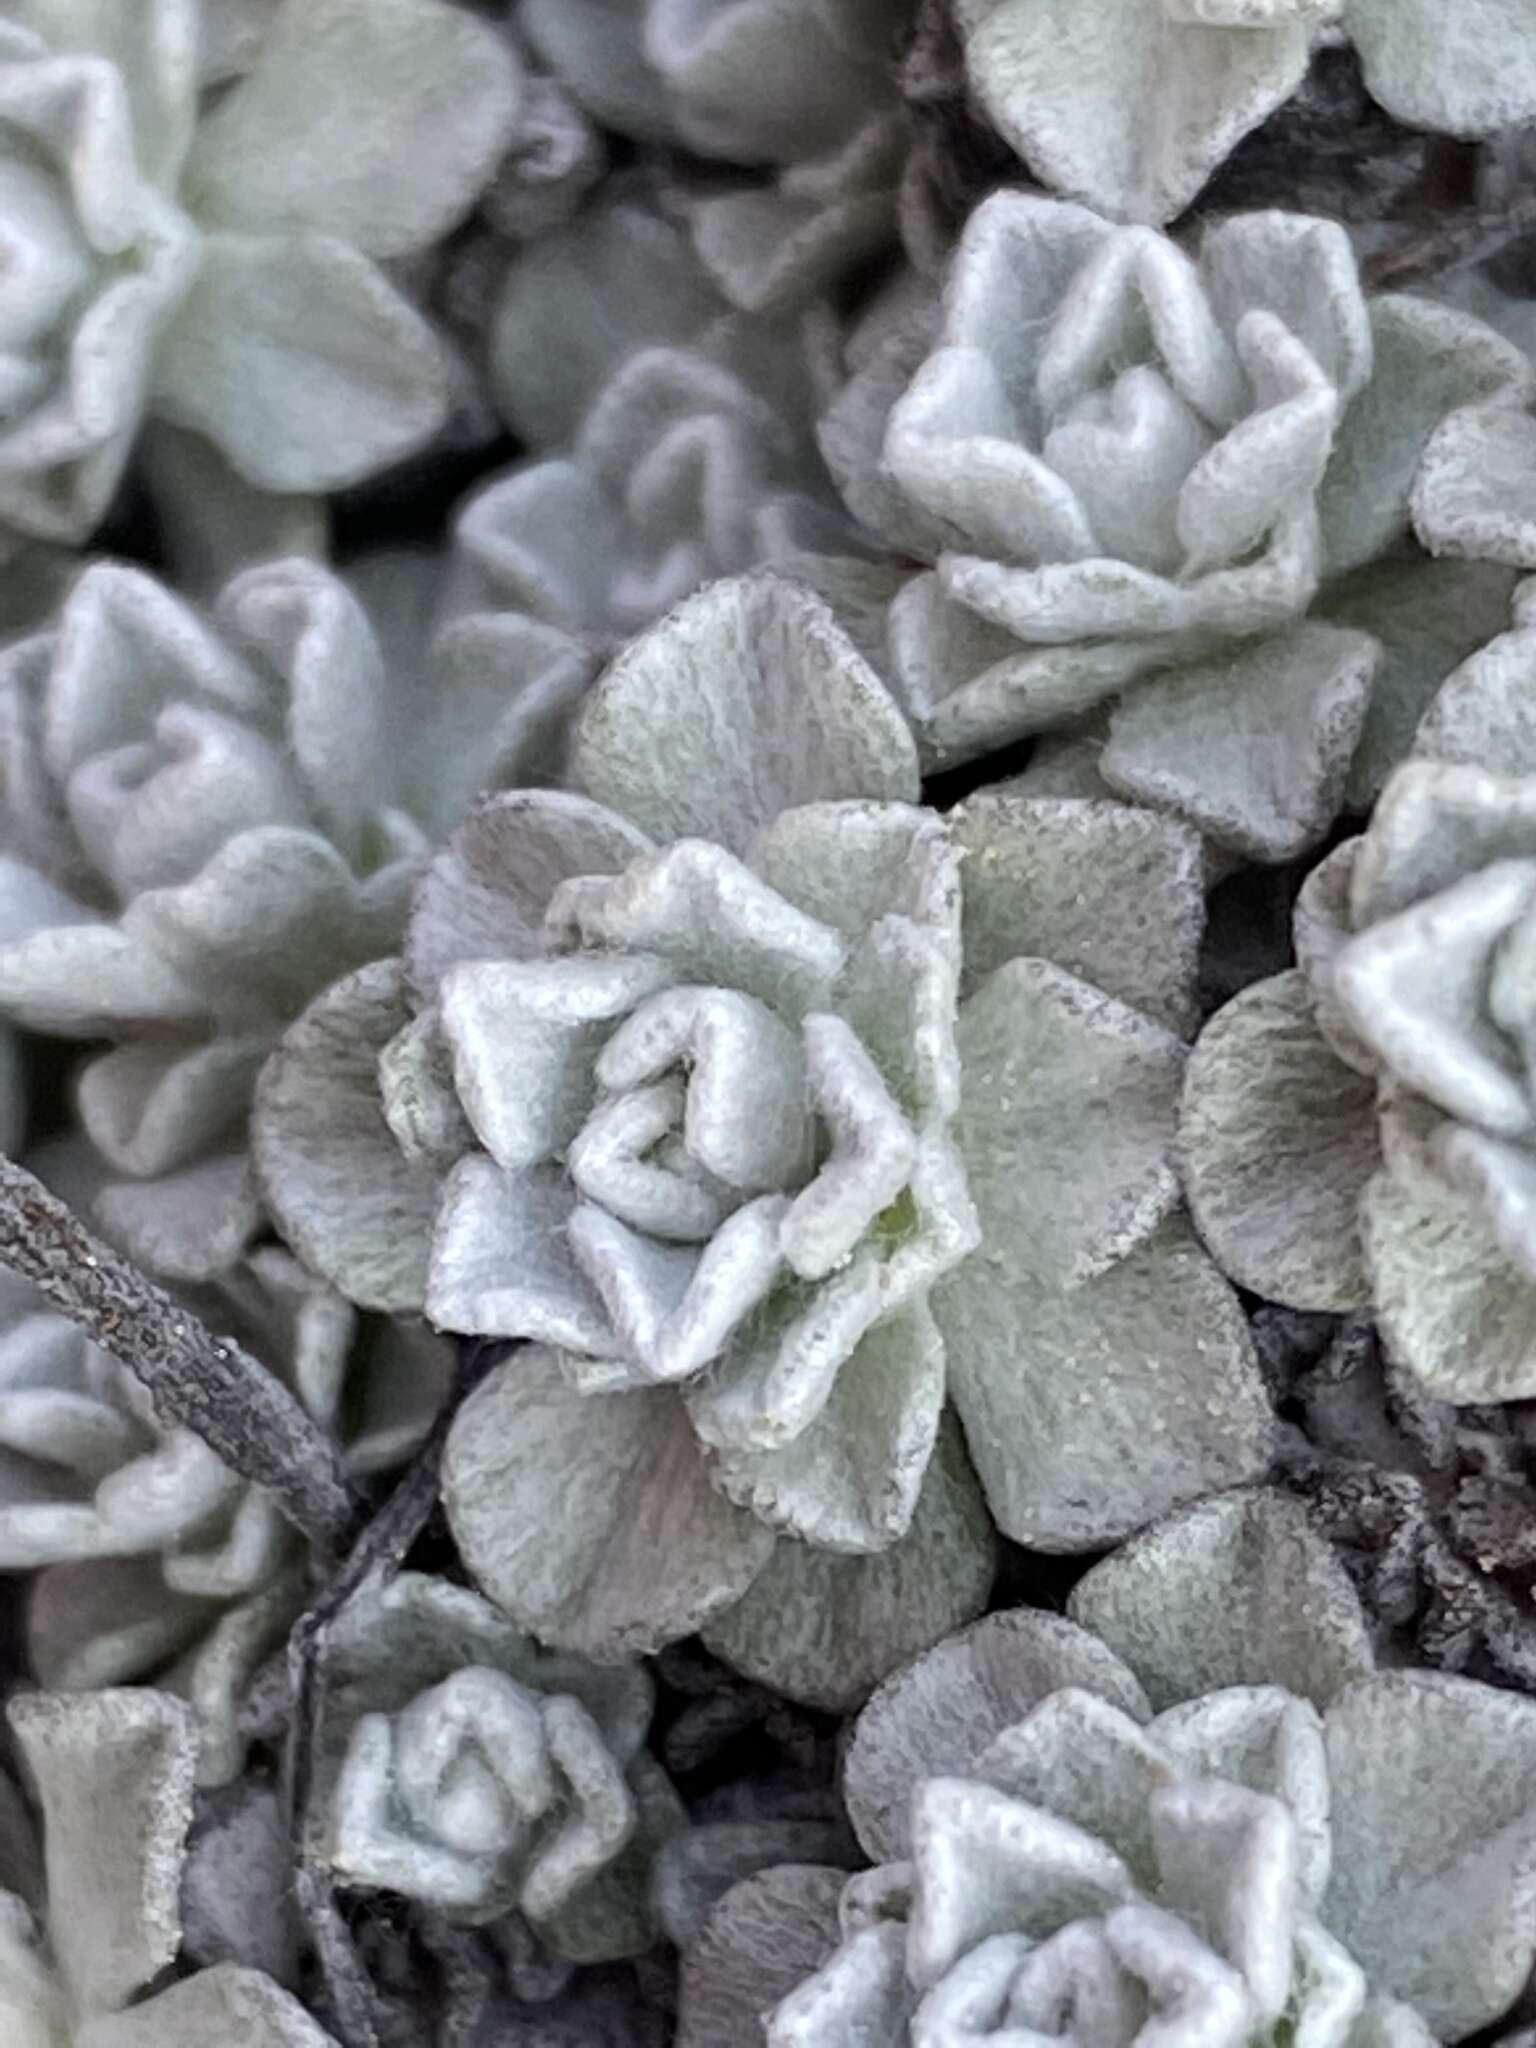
824,1629
1066,1122
589,1518
1484,713
945,1710
1433,1885
339,1188
1253,747
300,361
850,1482
1430,359
1092,1406
1278,1139
1120,103
746,700
549,355
1466,70
377,121
1454,1306
1473,496
1238,1590
485,894
1113,894
1427,615
768,1934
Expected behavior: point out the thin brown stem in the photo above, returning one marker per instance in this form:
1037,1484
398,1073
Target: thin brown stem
206,1383
1450,243
380,1549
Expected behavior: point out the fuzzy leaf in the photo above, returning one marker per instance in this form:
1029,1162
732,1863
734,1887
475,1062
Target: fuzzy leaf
1238,1590
824,1629
1254,748
113,1772
338,128
589,1518
347,1198
1126,106
1129,1392
1111,894
1278,1139
1434,1829
944,1711
770,703
300,362
765,1935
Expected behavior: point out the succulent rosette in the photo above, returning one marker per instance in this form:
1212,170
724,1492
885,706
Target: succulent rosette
84,1958
1402,1179
1191,1812
1186,491
220,268
463,1767
753,1096
677,446
804,89
206,817
1132,104
149,1555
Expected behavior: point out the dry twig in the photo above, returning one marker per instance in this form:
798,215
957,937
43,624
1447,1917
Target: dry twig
206,1383
380,1549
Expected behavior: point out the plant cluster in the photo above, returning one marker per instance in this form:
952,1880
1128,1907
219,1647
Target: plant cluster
767,1023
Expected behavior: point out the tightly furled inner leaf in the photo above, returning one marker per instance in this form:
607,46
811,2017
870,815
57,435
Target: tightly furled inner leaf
740,1095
